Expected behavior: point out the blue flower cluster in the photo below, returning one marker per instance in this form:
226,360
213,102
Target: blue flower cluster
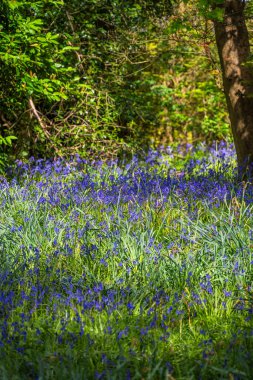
118,268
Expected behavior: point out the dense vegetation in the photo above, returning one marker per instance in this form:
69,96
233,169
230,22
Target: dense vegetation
115,271
97,77
125,232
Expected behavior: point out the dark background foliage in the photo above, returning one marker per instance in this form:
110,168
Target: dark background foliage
101,77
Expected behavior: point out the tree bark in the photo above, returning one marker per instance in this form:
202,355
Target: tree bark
233,45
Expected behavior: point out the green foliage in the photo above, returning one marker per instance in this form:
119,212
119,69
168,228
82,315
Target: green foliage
51,106
113,76
210,9
5,142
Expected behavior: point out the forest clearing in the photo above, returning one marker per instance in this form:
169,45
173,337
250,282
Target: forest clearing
126,197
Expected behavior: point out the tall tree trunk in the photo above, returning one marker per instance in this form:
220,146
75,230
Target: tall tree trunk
232,41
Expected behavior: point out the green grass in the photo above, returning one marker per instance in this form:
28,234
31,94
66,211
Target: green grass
97,285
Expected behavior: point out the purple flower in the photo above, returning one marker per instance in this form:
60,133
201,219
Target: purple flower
130,306
123,333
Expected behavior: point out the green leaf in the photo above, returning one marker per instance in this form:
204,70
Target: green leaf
9,139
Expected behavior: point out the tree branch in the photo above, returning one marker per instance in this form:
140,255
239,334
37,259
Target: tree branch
40,121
